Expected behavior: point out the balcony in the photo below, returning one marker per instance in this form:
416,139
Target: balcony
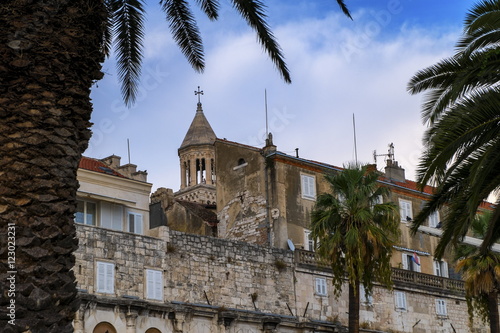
399,276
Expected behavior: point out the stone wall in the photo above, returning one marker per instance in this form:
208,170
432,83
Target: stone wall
231,286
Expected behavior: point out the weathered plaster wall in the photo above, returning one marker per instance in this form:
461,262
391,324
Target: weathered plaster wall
242,206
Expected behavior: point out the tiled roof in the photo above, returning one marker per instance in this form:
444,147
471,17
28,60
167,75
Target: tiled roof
95,165
200,210
200,132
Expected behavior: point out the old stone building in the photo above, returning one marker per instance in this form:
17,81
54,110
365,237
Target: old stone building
169,274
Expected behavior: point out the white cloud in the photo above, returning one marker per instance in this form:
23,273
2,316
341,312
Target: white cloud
314,113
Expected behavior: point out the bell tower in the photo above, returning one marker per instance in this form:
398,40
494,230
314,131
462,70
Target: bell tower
197,160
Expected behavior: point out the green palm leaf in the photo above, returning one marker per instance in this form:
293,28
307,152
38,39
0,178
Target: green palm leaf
253,12
128,30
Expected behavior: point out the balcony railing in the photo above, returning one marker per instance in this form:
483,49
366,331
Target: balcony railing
417,279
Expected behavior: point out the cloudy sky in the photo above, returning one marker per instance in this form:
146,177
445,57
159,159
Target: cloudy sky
339,68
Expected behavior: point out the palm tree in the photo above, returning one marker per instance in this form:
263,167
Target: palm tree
51,53
481,273
462,143
355,233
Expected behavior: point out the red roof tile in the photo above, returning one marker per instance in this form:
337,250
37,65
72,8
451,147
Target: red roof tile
92,164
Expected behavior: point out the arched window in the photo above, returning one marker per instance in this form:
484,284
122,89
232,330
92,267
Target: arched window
241,161
104,328
153,330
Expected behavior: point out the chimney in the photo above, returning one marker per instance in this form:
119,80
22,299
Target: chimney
394,172
113,161
270,147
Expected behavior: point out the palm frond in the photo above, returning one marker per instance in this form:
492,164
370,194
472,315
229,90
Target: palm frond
128,31
210,8
344,8
253,11
185,31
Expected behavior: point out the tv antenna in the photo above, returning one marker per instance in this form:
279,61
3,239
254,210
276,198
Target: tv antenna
389,155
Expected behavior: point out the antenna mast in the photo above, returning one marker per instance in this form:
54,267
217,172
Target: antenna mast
128,148
265,101
355,147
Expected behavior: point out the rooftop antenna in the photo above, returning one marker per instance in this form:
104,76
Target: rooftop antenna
128,148
389,155
355,147
265,102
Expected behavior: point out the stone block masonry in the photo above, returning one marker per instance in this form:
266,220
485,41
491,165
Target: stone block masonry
230,282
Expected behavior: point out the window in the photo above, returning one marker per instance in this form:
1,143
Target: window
405,210
400,300
434,219
135,223
308,186
85,212
441,268
105,277
363,297
308,242
111,216
411,262
321,286
154,284
441,307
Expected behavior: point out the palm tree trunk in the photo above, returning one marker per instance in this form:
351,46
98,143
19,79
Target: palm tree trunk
50,54
354,308
493,309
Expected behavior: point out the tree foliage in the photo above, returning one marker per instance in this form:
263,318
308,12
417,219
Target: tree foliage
462,144
355,231
125,30
481,273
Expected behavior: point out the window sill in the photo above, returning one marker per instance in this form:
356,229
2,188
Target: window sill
240,166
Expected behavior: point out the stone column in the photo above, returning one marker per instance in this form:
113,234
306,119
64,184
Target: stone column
79,322
183,174
193,173
208,164
131,318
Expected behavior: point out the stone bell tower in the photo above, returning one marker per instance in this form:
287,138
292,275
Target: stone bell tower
197,160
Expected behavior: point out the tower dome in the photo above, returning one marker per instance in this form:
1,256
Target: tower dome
197,160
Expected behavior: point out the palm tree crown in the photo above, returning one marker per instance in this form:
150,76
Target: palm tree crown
462,144
355,233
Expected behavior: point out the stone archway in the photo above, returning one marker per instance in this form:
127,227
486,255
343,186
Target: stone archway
104,327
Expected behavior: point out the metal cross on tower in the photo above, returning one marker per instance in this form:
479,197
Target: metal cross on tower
198,93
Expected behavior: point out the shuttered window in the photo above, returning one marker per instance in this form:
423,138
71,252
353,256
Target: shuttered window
154,284
405,210
111,216
441,307
105,277
320,286
400,300
308,186
135,223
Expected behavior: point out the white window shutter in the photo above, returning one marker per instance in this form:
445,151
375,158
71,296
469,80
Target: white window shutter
106,216
101,276
105,277
444,269
117,217
110,274
404,261
437,268
149,284
158,285
138,223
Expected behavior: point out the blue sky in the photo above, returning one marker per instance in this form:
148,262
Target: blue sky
339,68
